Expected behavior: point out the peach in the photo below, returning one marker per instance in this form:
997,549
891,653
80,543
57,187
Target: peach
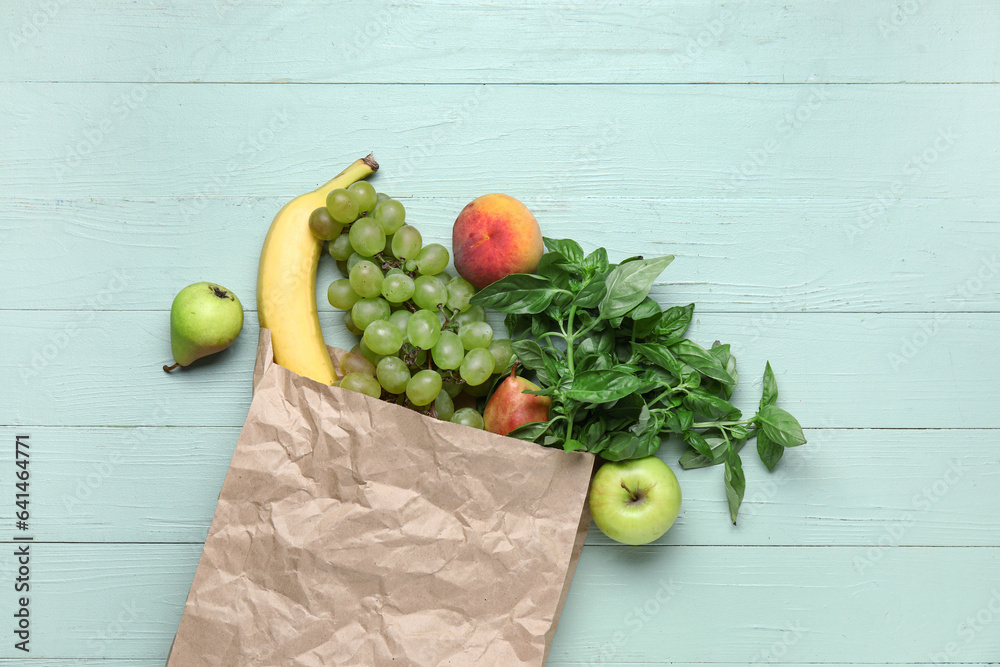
494,236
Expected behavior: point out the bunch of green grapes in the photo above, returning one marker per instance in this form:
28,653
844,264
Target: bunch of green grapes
422,344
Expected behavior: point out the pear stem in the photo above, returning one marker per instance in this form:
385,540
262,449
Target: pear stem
170,368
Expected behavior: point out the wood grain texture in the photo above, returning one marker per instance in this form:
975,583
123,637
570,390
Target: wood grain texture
160,484
881,143
387,41
626,605
741,255
824,173
856,370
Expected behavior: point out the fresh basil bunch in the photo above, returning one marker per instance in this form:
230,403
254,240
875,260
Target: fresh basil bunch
621,374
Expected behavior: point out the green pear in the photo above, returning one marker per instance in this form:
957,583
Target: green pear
205,318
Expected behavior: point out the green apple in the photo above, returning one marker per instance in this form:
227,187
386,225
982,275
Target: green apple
205,318
635,502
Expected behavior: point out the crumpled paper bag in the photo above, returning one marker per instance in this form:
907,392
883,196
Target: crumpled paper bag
350,531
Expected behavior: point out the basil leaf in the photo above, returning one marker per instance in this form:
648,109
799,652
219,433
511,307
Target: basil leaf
572,445
709,405
647,308
531,431
736,482
779,426
691,459
596,262
698,443
728,361
568,248
602,386
592,293
770,452
672,324
629,283
701,360
529,353
770,393
517,293
665,359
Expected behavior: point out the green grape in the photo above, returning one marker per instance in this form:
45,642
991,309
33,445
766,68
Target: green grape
368,353
474,335
393,375
350,325
361,383
477,366
453,389
432,259
366,279
429,293
352,260
342,206
391,215
400,319
406,243
460,291
381,197
364,194
341,294
366,311
477,390
367,237
448,351
382,337
473,314
468,417
444,408
502,353
394,270
423,329
397,287
354,362
323,226
445,277
340,248
423,387
410,266
342,267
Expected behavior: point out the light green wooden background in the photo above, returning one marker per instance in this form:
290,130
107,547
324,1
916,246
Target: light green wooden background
826,174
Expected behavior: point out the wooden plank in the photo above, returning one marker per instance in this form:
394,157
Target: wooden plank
161,485
568,41
782,604
899,370
732,254
881,143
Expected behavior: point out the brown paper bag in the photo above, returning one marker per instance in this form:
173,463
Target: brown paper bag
350,531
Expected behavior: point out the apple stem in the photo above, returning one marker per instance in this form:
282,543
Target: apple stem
631,494
170,368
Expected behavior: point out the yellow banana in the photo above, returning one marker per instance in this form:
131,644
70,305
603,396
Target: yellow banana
286,280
